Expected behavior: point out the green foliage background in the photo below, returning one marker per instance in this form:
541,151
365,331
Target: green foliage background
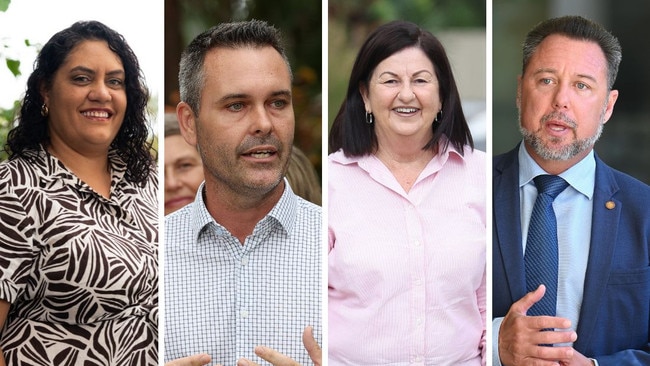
301,24
350,21
13,66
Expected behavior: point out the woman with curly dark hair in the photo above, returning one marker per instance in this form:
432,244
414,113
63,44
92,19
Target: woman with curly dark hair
131,142
78,212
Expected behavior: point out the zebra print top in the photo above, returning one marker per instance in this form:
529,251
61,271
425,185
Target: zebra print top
80,271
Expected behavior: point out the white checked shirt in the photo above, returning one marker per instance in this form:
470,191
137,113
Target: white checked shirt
224,298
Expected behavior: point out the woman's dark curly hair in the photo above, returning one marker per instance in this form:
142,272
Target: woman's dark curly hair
131,143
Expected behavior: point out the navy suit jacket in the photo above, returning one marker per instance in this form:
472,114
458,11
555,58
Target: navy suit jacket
614,323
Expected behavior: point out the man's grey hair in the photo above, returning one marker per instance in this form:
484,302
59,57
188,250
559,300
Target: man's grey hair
578,28
252,33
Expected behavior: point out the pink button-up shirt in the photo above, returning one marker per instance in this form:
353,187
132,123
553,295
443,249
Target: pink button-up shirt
407,270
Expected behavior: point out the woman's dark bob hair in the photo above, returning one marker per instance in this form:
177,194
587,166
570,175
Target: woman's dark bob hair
131,143
350,131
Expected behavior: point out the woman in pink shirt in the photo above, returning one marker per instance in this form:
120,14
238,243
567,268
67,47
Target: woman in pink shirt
407,231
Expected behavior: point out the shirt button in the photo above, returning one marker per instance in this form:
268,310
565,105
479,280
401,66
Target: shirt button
416,243
244,313
244,261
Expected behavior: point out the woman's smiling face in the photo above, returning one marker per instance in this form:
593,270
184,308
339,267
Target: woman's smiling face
87,99
403,95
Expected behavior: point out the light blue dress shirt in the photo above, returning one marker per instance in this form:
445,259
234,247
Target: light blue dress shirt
224,298
573,210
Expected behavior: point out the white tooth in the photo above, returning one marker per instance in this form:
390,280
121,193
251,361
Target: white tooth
96,114
260,155
406,110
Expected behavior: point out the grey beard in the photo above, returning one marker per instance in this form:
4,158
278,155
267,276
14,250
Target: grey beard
564,153
546,152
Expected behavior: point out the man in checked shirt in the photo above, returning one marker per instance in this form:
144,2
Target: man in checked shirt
242,263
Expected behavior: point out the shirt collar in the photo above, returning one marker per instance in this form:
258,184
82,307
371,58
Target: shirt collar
441,158
283,213
581,176
53,169
369,162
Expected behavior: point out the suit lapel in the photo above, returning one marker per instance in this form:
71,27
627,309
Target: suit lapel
604,228
508,222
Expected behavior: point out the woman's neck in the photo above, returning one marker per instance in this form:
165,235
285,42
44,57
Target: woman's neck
406,163
90,167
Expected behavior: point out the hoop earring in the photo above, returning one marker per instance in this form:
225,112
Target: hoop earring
44,110
370,118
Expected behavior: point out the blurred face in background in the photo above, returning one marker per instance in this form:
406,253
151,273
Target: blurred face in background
183,173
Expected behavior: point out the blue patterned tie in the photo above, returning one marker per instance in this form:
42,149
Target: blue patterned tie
541,258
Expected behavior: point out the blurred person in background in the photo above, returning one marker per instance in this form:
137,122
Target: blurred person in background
302,177
183,167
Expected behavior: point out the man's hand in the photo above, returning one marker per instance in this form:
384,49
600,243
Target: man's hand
278,359
520,336
313,349
194,360
578,359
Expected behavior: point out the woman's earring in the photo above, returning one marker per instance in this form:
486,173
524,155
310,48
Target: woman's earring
369,118
438,116
44,110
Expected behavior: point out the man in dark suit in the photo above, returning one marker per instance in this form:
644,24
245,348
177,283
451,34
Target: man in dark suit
602,294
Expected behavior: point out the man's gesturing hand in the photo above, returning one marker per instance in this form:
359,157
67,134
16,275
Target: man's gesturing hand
278,359
521,337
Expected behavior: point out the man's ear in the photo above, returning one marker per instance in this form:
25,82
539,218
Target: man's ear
518,99
612,96
187,122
